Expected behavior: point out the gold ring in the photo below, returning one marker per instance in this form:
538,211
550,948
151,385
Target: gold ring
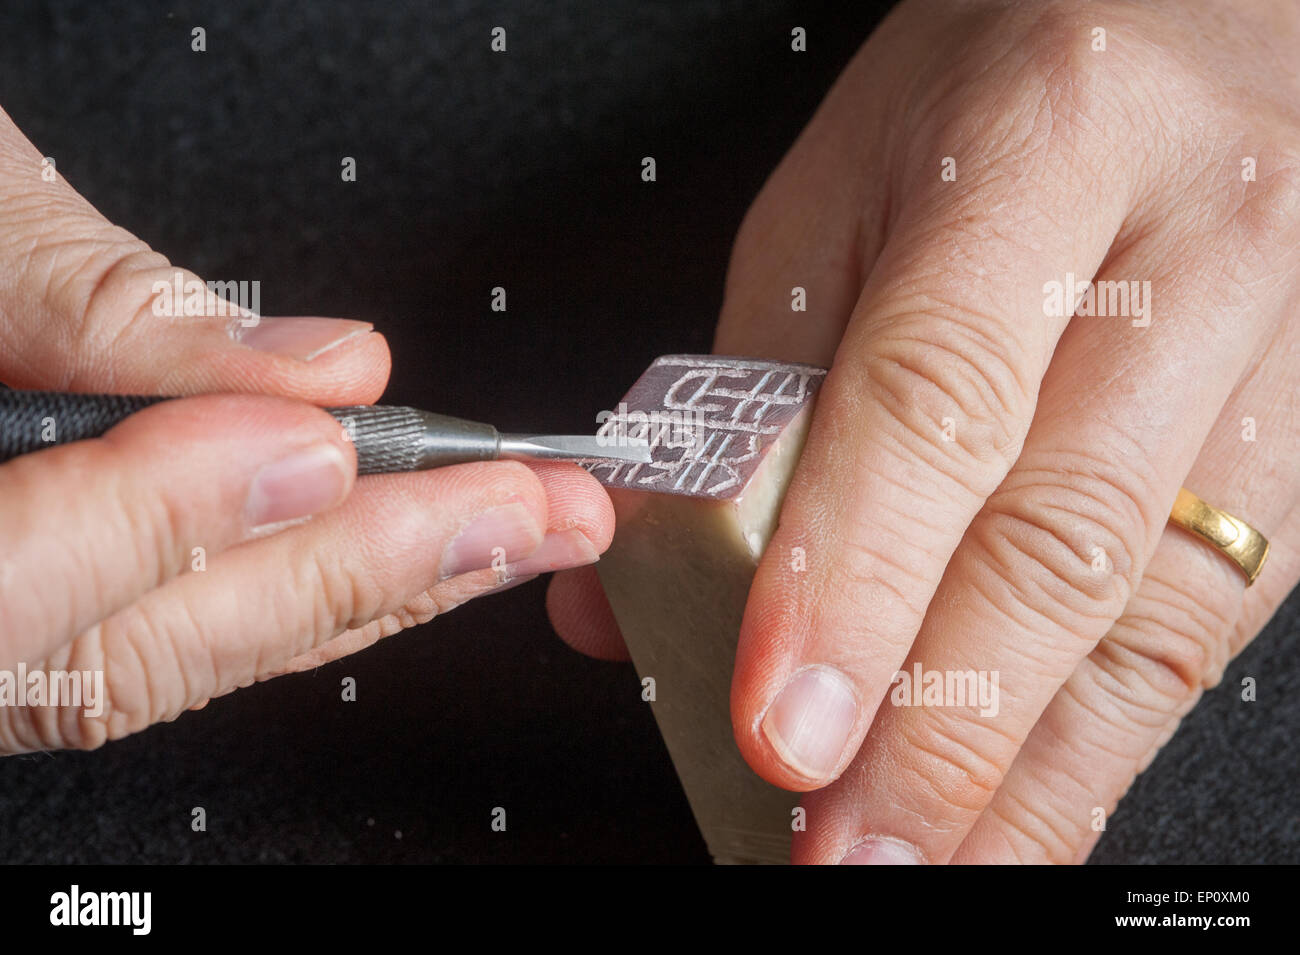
1230,536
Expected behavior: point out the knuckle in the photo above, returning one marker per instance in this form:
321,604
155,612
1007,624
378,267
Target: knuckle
867,578
1062,91
1111,711
1072,59
1171,662
1269,216
1062,33
1162,737
341,599
107,292
1031,834
1079,100
947,760
89,728
960,402
31,728
419,609
1174,642
152,525
145,678
82,724
1068,547
13,734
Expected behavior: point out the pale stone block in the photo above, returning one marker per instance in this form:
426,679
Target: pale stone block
726,434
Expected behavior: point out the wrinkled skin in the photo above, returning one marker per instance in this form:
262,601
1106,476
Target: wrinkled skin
129,556
986,486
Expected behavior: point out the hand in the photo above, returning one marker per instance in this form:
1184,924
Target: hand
146,556
987,481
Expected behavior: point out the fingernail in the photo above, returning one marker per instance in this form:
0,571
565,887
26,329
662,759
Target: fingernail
493,538
559,550
510,583
304,483
881,851
300,337
810,721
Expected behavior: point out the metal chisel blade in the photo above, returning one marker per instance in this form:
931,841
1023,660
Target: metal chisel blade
573,447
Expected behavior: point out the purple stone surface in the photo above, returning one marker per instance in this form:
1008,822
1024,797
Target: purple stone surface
709,420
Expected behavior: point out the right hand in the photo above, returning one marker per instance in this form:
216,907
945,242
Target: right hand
988,476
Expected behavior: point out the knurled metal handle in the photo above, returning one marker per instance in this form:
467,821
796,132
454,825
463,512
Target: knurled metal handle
387,439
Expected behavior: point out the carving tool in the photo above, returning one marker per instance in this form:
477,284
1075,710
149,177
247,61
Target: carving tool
388,439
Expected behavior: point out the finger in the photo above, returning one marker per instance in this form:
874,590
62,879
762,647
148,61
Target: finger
797,266
1187,621
576,502
409,546
441,597
581,615
948,337
91,526
86,306
1125,701
579,516
1051,561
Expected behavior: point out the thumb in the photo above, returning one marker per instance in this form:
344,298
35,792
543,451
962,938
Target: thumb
86,306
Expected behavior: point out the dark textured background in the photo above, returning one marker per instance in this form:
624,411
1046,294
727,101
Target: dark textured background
474,170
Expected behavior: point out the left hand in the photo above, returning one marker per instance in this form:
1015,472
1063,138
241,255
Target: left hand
153,565
986,484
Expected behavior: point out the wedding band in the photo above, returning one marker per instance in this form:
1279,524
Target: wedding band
1231,536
